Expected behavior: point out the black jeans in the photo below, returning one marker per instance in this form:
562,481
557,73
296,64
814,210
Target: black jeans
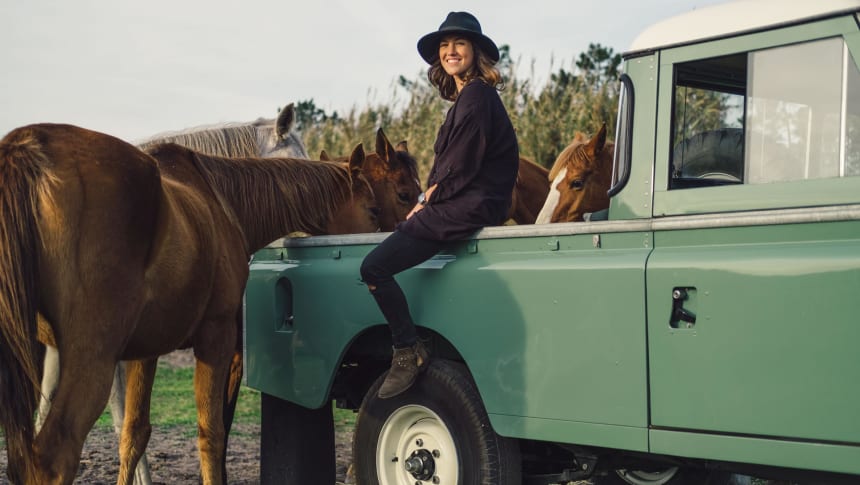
396,253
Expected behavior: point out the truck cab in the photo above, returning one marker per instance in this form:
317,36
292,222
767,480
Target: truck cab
706,325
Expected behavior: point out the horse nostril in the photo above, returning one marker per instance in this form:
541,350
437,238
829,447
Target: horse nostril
375,211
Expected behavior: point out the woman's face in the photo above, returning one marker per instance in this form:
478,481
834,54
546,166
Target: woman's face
456,55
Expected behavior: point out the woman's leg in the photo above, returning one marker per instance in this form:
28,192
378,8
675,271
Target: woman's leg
396,253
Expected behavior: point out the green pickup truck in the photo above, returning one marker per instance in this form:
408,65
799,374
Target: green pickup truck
706,324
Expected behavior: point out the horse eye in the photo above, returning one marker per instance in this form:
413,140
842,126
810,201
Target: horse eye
375,211
577,184
404,197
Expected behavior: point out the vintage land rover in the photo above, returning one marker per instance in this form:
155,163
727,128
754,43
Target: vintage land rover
707,324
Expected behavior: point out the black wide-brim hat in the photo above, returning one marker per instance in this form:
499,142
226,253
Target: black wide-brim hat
457,23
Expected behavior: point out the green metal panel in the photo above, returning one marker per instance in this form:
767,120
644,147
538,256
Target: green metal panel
634,201
542,329
554,430
773,352
537,320
296,360
837,458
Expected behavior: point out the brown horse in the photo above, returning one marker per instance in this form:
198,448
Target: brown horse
580,176
126,256
530,192
261,138
393,174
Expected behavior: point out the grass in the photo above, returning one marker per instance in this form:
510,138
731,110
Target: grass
173,404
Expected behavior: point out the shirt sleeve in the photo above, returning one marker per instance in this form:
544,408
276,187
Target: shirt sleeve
461,159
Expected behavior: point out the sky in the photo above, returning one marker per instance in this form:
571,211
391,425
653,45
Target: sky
134,69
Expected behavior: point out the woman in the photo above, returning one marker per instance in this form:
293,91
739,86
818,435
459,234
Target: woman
469,186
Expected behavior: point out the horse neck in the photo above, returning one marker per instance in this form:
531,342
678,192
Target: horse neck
269,198
225,141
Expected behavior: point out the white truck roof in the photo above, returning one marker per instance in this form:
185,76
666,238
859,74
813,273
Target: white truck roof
735,17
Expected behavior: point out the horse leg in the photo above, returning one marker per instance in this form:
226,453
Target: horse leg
117,411
234,382
75,407
215,353
136,428
50,379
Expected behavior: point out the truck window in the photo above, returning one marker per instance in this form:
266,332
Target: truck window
756,118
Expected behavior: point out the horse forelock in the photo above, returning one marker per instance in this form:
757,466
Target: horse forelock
275,196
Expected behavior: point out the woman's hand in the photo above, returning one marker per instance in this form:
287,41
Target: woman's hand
415,210
420,205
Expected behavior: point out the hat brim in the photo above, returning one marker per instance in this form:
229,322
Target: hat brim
428,46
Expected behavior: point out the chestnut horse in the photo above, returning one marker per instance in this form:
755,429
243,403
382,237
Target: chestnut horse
529,193
580,176
260,138
393,174
119,255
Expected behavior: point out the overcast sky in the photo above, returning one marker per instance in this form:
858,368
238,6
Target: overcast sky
136,68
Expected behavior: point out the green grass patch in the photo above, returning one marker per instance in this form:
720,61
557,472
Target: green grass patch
173,403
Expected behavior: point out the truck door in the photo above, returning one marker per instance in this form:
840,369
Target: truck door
753,288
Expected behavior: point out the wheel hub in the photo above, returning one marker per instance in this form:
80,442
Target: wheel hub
420,464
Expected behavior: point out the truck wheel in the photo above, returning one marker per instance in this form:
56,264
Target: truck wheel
667,476
436,432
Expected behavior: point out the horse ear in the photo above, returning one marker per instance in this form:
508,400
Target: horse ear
401,147
597,142
324,156
356,159
385,150
286,120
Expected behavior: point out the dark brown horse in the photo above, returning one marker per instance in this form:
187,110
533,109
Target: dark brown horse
529,193
393,174
580,176
126,256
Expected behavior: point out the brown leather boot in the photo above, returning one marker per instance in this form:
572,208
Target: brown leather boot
406,364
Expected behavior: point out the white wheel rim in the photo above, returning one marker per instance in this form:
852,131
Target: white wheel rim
637,477
412,430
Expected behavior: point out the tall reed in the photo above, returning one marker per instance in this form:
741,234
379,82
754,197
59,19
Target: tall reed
545,117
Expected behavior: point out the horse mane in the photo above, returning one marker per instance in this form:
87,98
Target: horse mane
228,139
278,187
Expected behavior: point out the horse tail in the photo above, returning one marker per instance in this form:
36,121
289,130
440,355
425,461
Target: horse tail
22,166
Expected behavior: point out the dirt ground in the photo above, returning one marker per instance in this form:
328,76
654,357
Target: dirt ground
173,456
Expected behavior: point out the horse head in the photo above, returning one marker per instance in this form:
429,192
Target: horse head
580,176
278,138
361,213
393,175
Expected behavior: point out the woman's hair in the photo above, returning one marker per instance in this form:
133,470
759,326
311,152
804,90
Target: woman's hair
483,69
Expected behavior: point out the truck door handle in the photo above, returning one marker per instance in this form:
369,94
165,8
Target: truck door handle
679,313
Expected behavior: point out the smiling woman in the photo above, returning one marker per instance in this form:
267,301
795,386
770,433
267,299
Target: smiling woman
469,187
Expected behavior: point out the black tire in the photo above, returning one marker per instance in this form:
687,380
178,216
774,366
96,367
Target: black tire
296,443
441,423
711,154
667,476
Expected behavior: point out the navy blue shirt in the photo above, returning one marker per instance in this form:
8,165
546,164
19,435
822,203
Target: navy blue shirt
475,167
